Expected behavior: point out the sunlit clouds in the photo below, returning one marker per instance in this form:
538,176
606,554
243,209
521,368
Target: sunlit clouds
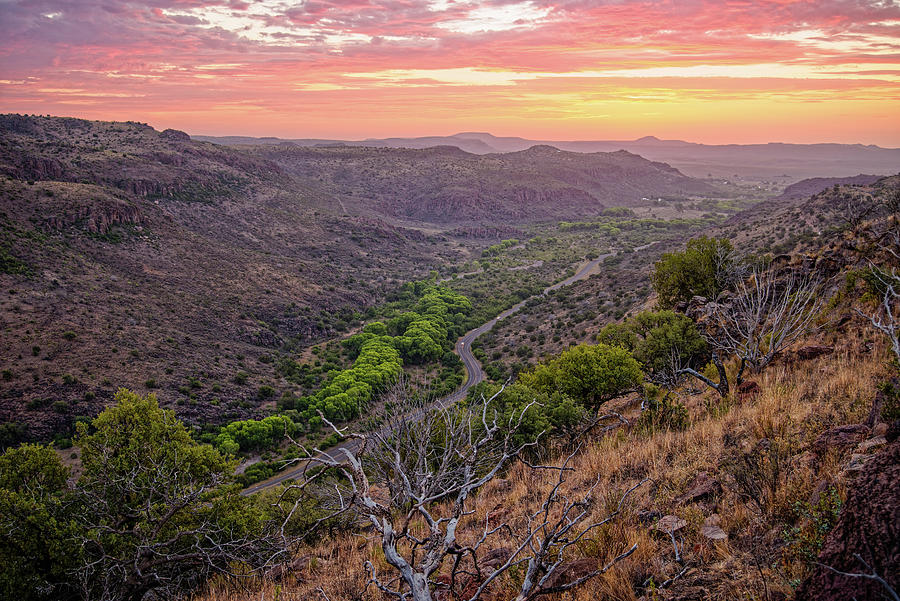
711,71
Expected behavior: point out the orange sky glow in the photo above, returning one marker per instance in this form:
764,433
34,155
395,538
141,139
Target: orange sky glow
713,71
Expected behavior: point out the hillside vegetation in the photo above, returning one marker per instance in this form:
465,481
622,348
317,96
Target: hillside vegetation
142,258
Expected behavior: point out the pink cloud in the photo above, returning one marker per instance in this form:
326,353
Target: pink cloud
160,56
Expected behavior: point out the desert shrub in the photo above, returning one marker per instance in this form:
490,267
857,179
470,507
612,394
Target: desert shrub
240,377
11,434
254,434
589,374
258,472
759,473
654,337
551,413
698,270
663,412
813,522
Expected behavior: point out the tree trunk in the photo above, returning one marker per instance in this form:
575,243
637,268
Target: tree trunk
722,388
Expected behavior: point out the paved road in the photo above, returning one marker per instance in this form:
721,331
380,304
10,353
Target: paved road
474,372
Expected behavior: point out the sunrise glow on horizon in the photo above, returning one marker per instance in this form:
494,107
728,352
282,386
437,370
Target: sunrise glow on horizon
713,71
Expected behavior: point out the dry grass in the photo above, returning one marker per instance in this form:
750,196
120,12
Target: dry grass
796,402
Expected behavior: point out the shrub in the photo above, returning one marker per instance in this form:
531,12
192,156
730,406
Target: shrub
590,375
698,270
805,539
69,335
241,377
663,413
653,337
11,434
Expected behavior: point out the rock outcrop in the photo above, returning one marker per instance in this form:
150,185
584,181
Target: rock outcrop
868,526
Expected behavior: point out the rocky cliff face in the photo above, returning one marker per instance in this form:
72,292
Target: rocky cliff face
96,215
868,527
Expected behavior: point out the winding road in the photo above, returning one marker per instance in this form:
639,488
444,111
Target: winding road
474,372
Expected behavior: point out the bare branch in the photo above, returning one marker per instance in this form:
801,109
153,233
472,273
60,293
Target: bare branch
873,575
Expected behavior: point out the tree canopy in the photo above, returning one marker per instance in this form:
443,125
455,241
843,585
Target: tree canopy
655,339
701,269
589,374
152,511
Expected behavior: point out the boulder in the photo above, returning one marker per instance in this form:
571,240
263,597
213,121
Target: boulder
571,571
293,568
868,526
812,351
857,463
495,558
873,443
714,533
702,488
670,524
841,436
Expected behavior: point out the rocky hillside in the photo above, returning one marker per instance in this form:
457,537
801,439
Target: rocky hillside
809,187
132,257
760,494
445,185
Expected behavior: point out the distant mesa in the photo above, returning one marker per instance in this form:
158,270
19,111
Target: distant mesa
761,162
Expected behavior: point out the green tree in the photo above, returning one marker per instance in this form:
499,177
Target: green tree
35,546
702,269
590,375
654,338
156,512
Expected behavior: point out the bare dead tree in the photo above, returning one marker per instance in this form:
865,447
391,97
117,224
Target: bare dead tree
852,208
766,314
412,482
730,267
891,200
886,318
548,538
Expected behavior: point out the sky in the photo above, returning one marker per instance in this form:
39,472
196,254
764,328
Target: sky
713,71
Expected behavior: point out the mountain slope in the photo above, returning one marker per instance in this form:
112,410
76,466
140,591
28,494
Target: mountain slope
445,185
783,162
131,257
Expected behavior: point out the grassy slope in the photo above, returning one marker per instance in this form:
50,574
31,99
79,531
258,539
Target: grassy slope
797,402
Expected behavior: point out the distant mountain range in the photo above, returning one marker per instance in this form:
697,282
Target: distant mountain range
774,161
